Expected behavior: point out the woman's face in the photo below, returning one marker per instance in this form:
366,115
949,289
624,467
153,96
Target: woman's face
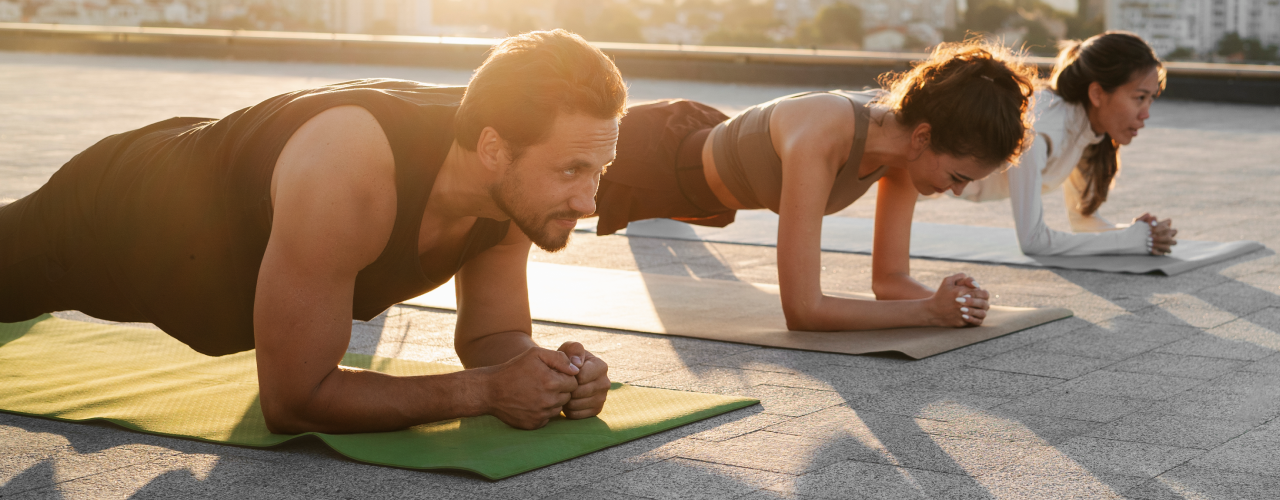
933,172
1121,112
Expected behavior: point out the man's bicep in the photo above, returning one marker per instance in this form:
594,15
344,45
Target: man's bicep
492,290
330,218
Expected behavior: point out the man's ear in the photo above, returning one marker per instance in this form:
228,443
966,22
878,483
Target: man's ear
920,137
492,150
1096,94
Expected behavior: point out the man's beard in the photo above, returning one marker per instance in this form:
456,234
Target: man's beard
505,195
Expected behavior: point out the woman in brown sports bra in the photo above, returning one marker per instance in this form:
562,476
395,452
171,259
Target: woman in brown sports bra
954,118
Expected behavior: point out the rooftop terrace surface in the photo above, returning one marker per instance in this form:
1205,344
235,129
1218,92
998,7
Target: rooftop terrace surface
1159,387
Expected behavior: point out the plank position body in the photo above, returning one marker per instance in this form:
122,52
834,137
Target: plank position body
275,226
1098,96
954,118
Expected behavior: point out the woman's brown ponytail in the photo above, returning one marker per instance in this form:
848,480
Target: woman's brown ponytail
1111,59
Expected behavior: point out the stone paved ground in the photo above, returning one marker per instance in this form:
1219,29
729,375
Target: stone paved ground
1158,388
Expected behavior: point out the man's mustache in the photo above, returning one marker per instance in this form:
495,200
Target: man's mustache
567,214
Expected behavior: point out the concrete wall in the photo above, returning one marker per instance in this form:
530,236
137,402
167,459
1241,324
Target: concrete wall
838,69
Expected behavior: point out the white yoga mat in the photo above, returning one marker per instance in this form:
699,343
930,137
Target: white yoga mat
939,241
730,311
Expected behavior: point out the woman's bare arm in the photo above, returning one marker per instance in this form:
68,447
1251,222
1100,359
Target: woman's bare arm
811,159
890,254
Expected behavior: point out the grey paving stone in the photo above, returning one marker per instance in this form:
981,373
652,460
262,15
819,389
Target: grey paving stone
942,362
1215,346
801,455
791,401
627,376
37,469
1099,343
1131,325
1185,309
857,380
1032,362
1130,385
590,493
1269,364
901,440
1238,298
972,457
1180,365
1246,330
774,495
253,479
1000,345
734,428
1126,458
792,361
834,422
1196,482
985,382
1255,452
1075,405
917,402
719,380
866,480
1173,430
1052,474
659,353
1033,429
1240,396
690,479
1267,318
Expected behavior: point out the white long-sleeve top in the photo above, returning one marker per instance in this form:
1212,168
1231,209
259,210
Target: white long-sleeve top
1062,133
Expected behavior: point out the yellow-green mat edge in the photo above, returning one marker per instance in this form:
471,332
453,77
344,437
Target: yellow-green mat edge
333,441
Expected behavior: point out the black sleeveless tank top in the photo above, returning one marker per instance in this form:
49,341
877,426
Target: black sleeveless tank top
182,212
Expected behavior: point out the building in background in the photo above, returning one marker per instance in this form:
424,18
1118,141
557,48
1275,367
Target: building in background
1197,28
887,25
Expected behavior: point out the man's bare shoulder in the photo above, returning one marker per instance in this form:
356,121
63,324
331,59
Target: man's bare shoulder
335,178
341,142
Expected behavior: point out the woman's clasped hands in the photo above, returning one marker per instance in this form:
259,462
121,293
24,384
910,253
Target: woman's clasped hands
959,301
1161,240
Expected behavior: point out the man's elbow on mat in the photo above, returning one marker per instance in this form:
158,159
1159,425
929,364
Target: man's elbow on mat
282,418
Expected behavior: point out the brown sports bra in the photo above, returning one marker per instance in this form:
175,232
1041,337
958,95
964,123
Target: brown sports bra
751,169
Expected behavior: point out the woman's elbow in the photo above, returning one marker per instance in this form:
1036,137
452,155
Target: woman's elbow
801,316
1033,246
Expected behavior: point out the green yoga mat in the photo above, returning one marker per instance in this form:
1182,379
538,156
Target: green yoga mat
146,381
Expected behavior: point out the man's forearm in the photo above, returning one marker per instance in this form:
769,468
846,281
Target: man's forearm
493,349
353,400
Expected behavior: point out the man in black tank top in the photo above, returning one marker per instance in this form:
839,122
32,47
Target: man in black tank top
273,227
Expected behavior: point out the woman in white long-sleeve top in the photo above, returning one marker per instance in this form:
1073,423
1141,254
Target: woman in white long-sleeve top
1097,98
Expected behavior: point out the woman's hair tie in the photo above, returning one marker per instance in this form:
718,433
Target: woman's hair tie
988,78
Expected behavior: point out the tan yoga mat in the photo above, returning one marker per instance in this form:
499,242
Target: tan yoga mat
729,311
996,245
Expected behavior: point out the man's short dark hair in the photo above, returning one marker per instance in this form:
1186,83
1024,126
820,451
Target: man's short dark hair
529,79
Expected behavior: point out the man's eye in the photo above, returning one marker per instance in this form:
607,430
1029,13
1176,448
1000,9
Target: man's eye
570,171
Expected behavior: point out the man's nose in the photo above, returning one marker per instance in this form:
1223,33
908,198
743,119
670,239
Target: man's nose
584,199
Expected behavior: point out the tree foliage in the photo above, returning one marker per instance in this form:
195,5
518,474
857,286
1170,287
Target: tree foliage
835,24
1232,46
